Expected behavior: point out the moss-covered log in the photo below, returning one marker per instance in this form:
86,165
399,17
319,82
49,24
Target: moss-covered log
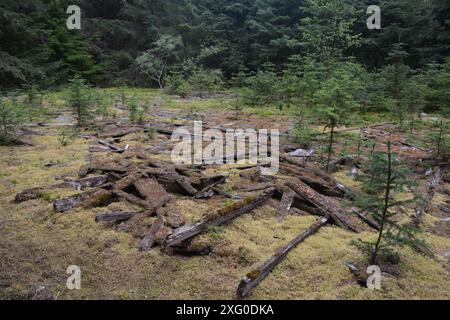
254,277
220,217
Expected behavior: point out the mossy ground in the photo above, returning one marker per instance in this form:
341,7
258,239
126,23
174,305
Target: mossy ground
37,245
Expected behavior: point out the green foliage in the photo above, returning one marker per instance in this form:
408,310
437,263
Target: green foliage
152,132
206,81
178,84
102,102
155,62
439,138
335,100
261,88
385,177
327,30
10,115
79,100
136,111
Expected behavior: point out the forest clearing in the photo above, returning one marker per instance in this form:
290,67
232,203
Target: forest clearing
225,150
121,243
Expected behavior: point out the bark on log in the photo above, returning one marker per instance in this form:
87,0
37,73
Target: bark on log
369,221
111,146
149,240
325,206
253,278
86,199
285,204
432,185
133,199
220,217
316,178
152,191
115,217
35,193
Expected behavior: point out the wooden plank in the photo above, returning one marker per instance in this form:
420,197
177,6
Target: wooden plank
285,204
115,217
86,199
326,207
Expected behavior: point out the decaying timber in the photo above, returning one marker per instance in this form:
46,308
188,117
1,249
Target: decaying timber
326,207
88,199
115,217
254,277
220,217
433,183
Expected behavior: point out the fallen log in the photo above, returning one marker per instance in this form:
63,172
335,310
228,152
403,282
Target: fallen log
432,185
285,204
35,193
134,200
86,199
111,146
149,240
208,191
226,194
152,191
254,277
314,181
316,178
115,217
370,222
220,217
326,207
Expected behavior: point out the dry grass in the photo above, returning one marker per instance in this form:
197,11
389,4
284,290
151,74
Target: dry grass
37,246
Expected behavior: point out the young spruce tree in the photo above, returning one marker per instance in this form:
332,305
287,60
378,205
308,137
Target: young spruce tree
383,179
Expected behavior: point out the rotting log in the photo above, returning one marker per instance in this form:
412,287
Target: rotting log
226,194
285,204
327,208
133,199
220,217
254,277
315,177
150,239
35,193
432,185
115,217
91,198
111,146
369,221
152,191
208,191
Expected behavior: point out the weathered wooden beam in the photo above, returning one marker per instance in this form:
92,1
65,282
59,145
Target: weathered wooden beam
133,199
152,191
285,204
115,217
220,217
111,146
432,185
326,207
254,277
150,239
86,199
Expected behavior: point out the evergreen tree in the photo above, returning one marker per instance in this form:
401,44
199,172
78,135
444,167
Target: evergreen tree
384,177
79,100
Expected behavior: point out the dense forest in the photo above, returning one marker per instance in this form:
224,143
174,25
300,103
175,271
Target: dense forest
229,36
